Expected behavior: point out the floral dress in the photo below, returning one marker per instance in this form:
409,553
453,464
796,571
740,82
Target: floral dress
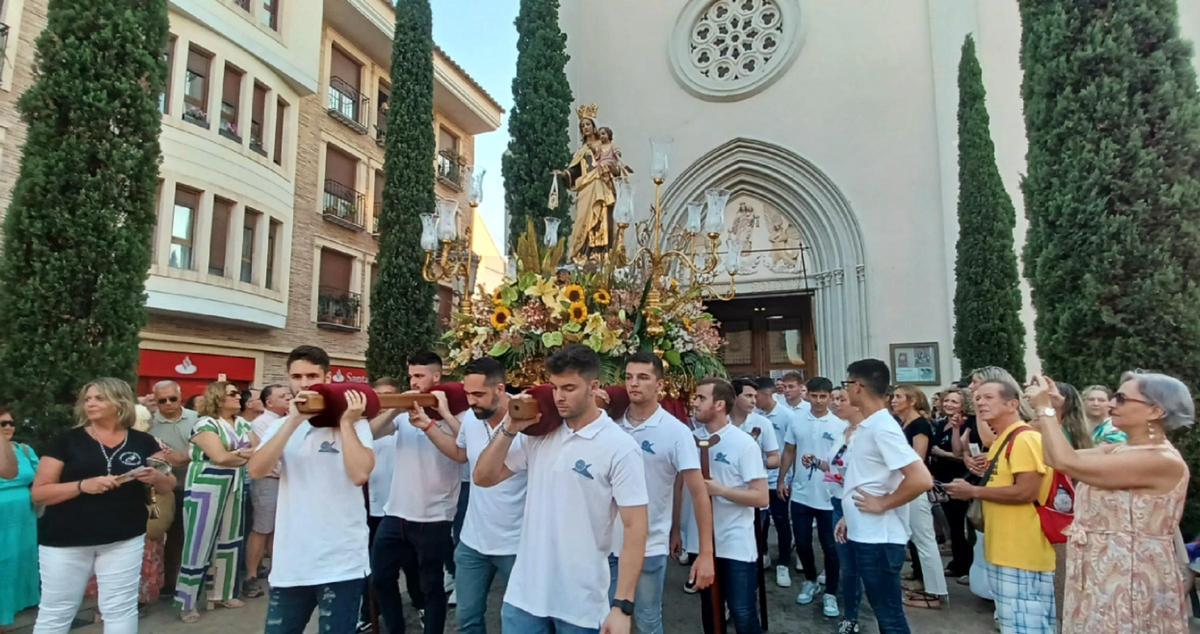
1122,571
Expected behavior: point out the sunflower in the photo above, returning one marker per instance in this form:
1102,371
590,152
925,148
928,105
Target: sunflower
602,297
574,294
579,312
498,297
501,318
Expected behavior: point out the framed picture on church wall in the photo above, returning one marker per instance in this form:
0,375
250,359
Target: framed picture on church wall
916,363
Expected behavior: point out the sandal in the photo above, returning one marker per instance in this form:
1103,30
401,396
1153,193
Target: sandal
191,616
923,600
229,603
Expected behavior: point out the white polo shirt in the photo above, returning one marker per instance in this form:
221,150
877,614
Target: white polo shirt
667,448
379,485
782,418
320,520
260,426
425,483
802,408
765,438
819,436
874,456
576,482
493,522
735,461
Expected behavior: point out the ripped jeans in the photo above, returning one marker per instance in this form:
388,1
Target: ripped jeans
337,607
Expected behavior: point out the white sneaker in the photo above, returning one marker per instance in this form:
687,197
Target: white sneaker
807,590
689,588
821,579
684,558
782,578
831,607
452,600
799,566
447,582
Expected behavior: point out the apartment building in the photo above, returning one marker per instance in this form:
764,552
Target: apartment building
271,180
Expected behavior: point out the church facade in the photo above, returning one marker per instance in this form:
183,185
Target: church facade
834,125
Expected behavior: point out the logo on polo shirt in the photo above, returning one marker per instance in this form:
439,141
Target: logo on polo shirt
720,457
130,459
327,447
827,436
648,447
581,468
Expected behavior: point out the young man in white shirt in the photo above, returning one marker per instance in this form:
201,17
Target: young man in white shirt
321,559
815,435
414,536
738,486
883,474
782,418
669,452
581,476
794,393
264,492
492,526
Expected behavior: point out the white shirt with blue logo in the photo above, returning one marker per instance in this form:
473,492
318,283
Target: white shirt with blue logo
782,418
492,525
735,461
577,479
425,483
667,448
819,436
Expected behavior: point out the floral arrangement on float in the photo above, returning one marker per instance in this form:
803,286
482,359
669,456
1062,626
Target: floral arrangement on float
545,306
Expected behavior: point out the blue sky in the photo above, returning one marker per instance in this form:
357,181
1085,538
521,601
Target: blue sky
480,36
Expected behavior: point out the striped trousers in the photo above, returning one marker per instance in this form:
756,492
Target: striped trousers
213,519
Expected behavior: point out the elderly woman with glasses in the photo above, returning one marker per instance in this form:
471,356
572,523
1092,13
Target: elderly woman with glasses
222,443
18,525
1122,572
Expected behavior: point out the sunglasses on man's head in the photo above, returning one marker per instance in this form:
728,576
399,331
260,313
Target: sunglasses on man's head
169,399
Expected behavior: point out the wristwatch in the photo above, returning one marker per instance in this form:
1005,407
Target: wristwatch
1048,412
626,607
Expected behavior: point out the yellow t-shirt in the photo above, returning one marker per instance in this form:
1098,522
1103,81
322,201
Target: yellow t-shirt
1012,535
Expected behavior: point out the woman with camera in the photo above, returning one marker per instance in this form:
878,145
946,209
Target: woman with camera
92,481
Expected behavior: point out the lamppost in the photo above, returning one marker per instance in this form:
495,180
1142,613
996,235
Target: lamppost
449,256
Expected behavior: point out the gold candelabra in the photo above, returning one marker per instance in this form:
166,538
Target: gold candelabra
449,253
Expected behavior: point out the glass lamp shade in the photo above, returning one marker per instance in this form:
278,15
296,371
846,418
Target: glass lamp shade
716,198
551,237
623,210
447,211
693,217
733,256
660,152
475,196
429,230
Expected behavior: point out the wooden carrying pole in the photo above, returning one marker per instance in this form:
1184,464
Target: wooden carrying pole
315,403
716,604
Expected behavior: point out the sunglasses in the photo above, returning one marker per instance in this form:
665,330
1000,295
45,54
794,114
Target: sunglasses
7,423
1121,399
237,394
846,384
169,399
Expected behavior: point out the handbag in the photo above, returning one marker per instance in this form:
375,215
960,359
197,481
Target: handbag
161,514
1057,511
975,510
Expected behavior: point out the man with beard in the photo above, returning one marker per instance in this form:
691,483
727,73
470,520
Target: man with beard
581,475
492,527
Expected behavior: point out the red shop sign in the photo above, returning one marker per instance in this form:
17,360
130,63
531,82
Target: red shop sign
193,366
345,374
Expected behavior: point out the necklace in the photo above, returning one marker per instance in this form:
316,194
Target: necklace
104,452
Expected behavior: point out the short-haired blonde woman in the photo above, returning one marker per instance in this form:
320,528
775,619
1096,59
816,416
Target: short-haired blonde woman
92,480
222,443
1122,573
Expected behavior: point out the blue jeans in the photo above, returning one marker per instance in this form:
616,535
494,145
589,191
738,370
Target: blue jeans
460,516
778,514
475,574
851,586
647,600
336,603
514,619
802,521
739,589
878,567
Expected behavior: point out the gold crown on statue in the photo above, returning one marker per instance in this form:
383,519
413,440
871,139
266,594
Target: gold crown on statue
588,111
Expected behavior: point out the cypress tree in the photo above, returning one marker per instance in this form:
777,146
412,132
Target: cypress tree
987,300
1113,192
538,122
77,236
402,317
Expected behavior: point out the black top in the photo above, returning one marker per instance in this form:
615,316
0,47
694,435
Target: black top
919,427
91,520
947,469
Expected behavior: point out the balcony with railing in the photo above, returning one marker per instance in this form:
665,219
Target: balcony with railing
256,139
3,44
450,169
381,133
347,104
375,218
338,309
343,205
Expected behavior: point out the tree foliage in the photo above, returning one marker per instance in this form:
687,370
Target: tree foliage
77,235
987,298
538,123
402,317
